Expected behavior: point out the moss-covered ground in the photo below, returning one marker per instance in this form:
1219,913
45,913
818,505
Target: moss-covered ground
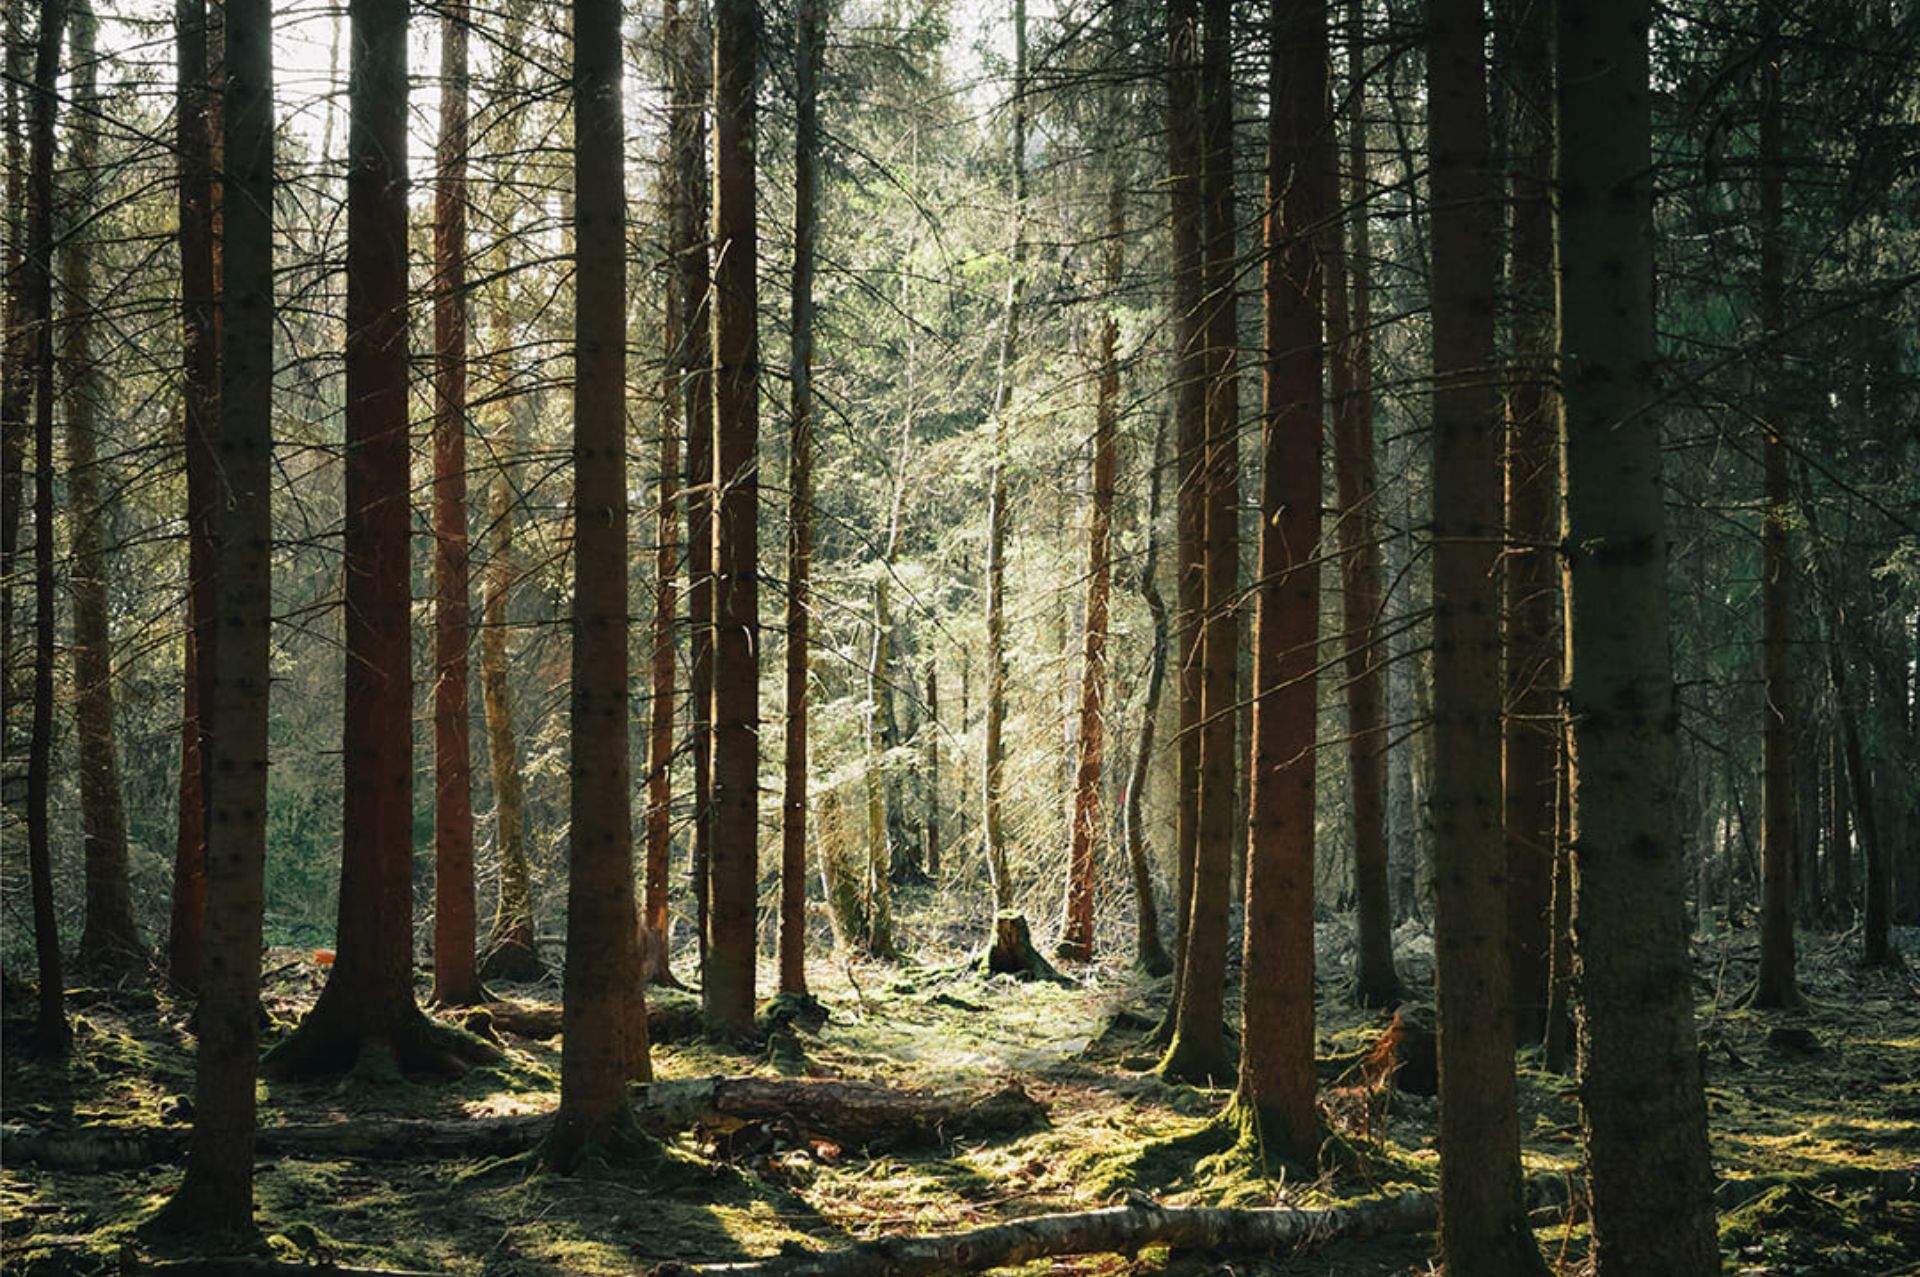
1781,1106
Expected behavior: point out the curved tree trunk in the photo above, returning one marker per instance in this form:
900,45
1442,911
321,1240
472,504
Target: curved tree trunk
110,936
1149,954
1483,1221
1275,1098
1642,1103
455,981
728,989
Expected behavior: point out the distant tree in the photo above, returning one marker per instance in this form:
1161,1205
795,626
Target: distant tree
455,979
604,1043
1642,1102
1275,1098
1149,954
110,937
216,1195
728,987
1483,1220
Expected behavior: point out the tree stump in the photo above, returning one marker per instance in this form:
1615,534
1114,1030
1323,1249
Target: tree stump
1012,952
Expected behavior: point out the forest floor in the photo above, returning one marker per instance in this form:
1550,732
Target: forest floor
1783,1105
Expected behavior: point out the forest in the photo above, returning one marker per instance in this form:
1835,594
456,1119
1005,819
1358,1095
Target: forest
889,638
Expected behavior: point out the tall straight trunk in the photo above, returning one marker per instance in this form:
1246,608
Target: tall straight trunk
1356,485
1149,954
691,73
933,770
1483,1218
1774,985
1642,1105
53,1035
455,980
604,1042
511,951
994,761
1839,834
1530,729
16,378
729,984
879,883
216,1195
654,910
110,936
793,826
197,124
368,998
1198,1049
1076,931
1186,218
1275,1098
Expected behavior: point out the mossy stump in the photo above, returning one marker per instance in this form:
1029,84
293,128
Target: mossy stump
1012,952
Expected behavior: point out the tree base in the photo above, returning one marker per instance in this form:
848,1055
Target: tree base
194,1222
513,959
1377,994
332,1041
1196,1063
1012,952
1153,961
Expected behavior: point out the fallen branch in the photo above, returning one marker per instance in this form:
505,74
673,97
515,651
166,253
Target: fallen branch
1117,1230
850,1113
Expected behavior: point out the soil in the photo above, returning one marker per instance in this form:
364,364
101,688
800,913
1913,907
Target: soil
1800,1103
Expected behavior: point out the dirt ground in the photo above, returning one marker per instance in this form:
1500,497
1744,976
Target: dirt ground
1795,1117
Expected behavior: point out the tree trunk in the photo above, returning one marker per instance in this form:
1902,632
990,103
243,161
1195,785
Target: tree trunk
455,981
1774,986
53,1035
16,390
1350,342
110,937
1642,1102
368,996
1076,929
1149,955
1483,1225
1531,603
1275,1099
994,761
216,1196
728,989
1198,1050
604,1043
933,770
197,125
1186,216
692,239
793,827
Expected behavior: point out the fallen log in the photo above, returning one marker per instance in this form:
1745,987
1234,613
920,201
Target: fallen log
672,1016
244,1267
1121,1230
849,1113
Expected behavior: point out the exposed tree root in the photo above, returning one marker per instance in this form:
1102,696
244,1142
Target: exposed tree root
1115,1230
331,1041
852,1113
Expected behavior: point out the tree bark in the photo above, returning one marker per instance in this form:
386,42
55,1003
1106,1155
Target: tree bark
1483,1225
368,997
52,1034
728,989
110,937
1277,1085
1531,604
216,1196
793,828
1641,1096
455,980
197,124
1198,1050
994,753
604,1043
1774,985
1350,377
16,393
